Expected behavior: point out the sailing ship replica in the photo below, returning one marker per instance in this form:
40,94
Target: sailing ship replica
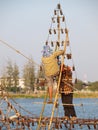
58,39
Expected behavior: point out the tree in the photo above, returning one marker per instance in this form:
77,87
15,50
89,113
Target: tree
79,85
9,73
29,74
10,77
15,75
3,77
93,86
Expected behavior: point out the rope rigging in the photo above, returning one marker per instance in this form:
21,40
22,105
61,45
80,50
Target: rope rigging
6,96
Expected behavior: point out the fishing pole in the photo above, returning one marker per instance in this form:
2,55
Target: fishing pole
17,51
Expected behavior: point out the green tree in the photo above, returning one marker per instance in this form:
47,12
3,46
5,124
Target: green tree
79,85
3,77
29,74
9,74
15,75
93,86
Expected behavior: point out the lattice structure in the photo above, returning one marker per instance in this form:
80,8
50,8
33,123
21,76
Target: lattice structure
11,118
59,40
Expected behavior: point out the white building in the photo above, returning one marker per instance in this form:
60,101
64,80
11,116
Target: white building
4,81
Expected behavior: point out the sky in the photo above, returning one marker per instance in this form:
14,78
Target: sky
24,25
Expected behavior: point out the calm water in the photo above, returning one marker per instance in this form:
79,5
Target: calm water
89,108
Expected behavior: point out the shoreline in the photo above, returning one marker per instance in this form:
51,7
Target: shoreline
77,94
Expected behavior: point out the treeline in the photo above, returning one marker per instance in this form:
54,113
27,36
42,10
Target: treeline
11,75
92,86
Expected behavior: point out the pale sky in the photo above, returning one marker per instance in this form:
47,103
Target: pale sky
24,25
